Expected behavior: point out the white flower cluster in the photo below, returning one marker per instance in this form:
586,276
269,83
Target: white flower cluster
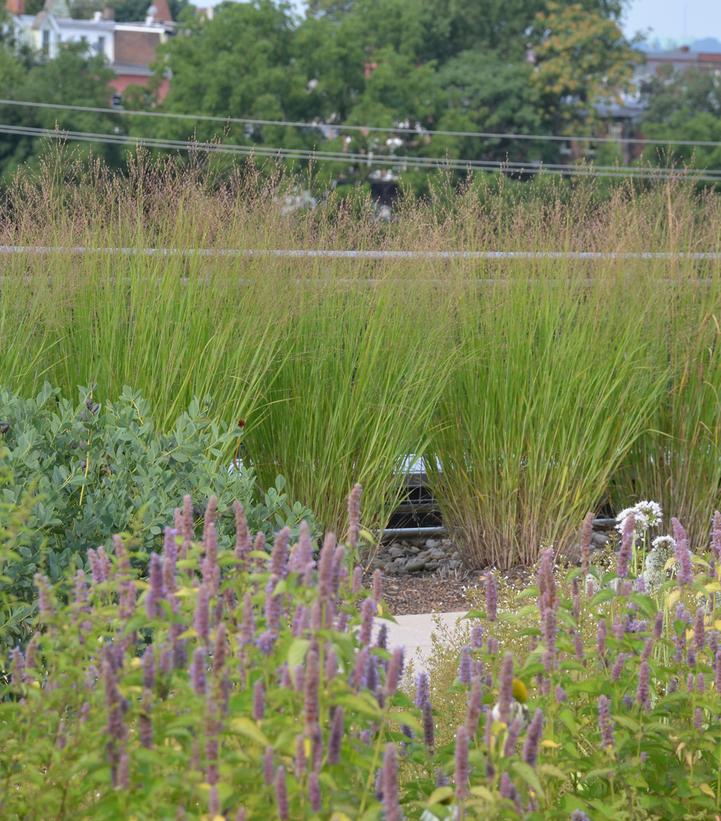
654,573
646,514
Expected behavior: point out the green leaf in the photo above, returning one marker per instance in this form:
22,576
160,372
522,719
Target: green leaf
244,726
528,774
297,652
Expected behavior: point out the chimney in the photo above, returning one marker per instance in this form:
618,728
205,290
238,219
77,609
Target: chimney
159,12
108,13
15,7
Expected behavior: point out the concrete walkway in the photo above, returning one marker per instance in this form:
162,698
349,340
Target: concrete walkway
416,633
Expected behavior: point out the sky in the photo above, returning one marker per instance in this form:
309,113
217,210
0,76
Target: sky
681,20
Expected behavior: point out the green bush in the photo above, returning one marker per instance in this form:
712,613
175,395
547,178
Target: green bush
94,470
246,683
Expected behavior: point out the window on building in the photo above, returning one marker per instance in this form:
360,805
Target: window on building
100,45
46,42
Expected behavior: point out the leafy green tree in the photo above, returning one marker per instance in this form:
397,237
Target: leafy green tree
71,77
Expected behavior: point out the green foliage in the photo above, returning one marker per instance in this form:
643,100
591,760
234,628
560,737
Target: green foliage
217,685
90,470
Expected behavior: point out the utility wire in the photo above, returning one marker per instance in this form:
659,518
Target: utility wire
712,175
487,135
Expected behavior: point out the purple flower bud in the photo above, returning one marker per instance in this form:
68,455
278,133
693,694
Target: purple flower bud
170,557
477,637
259,547
302,554
382,637
213,801
247,627
368,610
578,815
301,621
273,607
354,514
716,535
428,727
331,663
197,671
474,706
377,586
578,645
505,692
372,675
299,678
547,599
339,570
266,641
122,775
691,657
533,739
550,630
672,685
145,722
201,619
462,769
258,700
316,747
717,672
618,667
219,649
647,649
156,592
619,629
679,640
684,568
423,689
624,554
279,555
281,794
336,736
242,536
268,766
314,795
149,668
325,567
360,670
698,718
209,566
357,580
299,761
604,722
700,683
658,625
465,666
699,630
560,694
601,639
391,804
491,597
643,696
514,730
395,671
312,685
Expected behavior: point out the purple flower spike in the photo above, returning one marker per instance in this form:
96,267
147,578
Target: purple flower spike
382,637
202,615
242,536
624,554
477,637
514,730
312,685
698,718
368,611
428,727
354,514
331,663
300,761
247,628
533,739
336,736
197,671
505,693
149,668
699,630
377,586
357,580
395,671
604,722
684,569
258,700
45,606
360,671
601,639
716,535
462,769
474,706
423,689
325,567
391,803
618,667
281,795
279,555
268,766
465,667
314,795
156,592
491,597
18,667
658,625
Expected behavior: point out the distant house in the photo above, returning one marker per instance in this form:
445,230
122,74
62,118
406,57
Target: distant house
128,48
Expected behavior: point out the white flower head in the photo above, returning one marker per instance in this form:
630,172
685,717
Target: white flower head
646,514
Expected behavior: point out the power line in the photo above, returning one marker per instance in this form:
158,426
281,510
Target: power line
488,135
418,163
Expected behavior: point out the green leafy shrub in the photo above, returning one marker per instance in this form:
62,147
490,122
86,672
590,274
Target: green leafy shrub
246,682
96,470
